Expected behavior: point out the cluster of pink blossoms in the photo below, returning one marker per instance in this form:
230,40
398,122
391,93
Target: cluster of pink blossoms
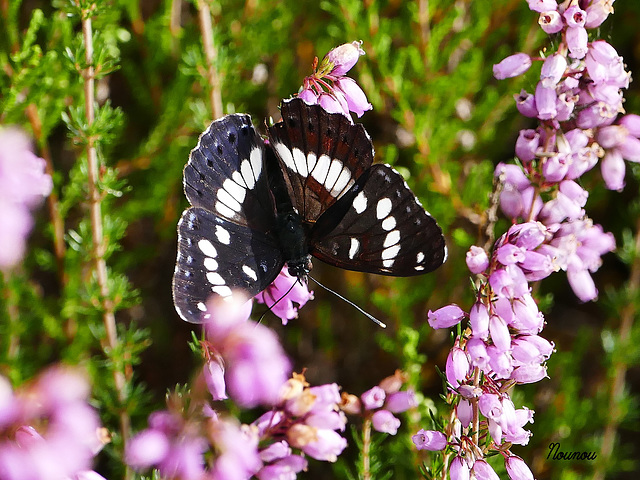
48,430
578,104
23,186
329,87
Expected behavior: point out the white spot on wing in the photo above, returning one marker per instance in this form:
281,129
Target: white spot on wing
207,248
215,278
300,162
226,198
383,208
202,307
321,169
312,159
256,162
342,182
388,263
223,235
332,176
236,177
392,238
389,223
390,252
250,272
247,174
355,246
221,290
210,264
224,211
360,202
419,268
285,155
419,257
236,191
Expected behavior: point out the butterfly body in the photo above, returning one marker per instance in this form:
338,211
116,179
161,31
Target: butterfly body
311,190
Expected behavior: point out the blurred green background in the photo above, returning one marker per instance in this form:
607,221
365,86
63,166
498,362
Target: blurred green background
439,117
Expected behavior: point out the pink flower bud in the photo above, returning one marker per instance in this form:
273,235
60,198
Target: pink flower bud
582,284
445,317
613,170
499,333
464,412
457,366
512,66
399,402
553,69
500,362
483,471
536,266
611,136
477,260
479,320
556,167
309,96
373,398
344,57
213,371
565,105
147,448
575,16
477,350
458,470
527,144
526,105
384,421
531,373
508,254
429,440
528,235
326,445
545,102
550,21
542,5
356,98
517,469
577,39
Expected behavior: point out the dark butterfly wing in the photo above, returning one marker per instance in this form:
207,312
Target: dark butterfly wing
321,155
215,257
225,173
379,226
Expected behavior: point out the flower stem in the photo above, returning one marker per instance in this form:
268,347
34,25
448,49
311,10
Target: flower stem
99,246
206,30
366,449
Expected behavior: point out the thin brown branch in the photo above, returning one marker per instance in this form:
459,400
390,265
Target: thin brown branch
97,228
366,449
206,30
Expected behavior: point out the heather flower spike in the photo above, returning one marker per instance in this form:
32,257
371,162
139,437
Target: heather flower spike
329,87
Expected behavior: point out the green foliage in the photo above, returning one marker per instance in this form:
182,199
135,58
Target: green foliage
439,117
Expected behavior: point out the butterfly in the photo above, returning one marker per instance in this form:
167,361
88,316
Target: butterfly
311,189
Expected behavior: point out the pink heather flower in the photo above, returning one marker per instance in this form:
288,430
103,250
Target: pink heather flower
458,470
542,5
527,145
546,100
526,104
512,66
330,103
213,372
285,468
479,320
146,449
321,444
373,398
575,16
342,58
630,149
550,21
477,260
577,39
309,96
445,317
429,440
383,421
611,136
499,333
517,469
399,402
477,350
464,412
597,12
256,366
632,123
531,373
285,308
483,471
238,451
457,366
23,186
613,170
356,99
553,69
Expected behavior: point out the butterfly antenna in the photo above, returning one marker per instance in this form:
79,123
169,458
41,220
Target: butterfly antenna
277,301
366,314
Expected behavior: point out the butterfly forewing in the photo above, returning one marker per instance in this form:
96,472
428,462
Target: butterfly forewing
383,229
321,155
225,173
215,257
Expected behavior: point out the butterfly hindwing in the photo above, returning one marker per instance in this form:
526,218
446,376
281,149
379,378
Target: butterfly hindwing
321,155
216,256
382,229
225,173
